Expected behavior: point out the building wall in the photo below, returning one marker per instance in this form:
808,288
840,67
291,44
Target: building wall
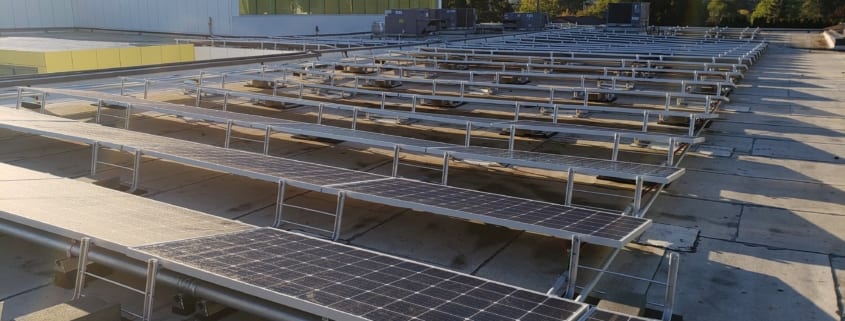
172,16
175,16
35,14
270,25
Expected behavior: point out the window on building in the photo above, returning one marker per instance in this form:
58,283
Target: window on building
268,7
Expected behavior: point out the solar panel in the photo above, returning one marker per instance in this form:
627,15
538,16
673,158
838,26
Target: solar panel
602,315
255,121
593,166
168,108
540,217
343,282
216,158
74,209
598,131
364,137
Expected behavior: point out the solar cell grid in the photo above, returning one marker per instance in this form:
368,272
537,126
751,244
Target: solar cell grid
356,282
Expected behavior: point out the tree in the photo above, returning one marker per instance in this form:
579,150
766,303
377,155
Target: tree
767,12
549,7
811,11
490,10
716,10
598,8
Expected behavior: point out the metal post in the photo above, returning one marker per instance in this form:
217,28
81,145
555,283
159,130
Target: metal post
146,88
320,114
586,97
136,171
225,101
512,139
395,171
516,112
95,151
228,134
43,102
199,94
551,95
570,186
638,194
555,111
414,103
223,81
82,265
445,178
671,282
574,256
280,203
671,155
462,89
301,88
275,88
468,135
645,121
338,221
99,110
128,116
692,119
20,98
267,132
616,139
123,86
149,290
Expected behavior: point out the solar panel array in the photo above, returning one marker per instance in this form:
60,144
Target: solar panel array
597,227
555,219
329,278
623,170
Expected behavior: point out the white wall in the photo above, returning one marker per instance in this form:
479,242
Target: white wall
35,14
172,16
176,16
270,25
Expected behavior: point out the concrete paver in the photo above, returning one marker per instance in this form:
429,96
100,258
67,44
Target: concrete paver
819,152
759,191
766,167
791,229
23,265
714,219
731,281
228,196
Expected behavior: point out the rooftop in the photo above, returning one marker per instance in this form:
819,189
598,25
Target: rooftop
752,205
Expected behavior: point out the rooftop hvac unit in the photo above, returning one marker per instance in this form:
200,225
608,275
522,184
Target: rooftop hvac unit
525,21
628,14
459,18
410,22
